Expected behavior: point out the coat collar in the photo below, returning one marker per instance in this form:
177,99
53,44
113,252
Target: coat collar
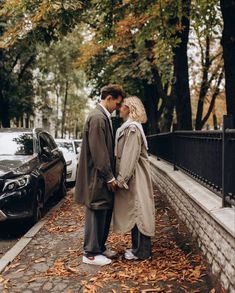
101,109
105,111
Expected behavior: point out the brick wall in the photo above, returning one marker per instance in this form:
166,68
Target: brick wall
216,242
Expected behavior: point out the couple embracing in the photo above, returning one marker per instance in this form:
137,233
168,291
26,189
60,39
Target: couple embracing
113,179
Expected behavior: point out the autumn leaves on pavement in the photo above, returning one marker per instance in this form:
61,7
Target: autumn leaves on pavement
177,264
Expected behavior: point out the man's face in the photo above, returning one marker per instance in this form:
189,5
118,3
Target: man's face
114,104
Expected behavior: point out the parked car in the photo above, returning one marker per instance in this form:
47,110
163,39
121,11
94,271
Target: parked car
32,169
67,146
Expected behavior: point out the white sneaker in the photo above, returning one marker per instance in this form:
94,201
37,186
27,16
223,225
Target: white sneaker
129,255
109,253
128,250
98,260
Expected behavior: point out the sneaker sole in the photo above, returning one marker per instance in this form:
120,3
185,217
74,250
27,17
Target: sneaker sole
95,264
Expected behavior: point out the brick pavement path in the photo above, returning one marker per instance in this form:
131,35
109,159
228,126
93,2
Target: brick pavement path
52,260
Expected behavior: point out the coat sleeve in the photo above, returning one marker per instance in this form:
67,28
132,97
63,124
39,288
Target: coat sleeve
98,148
129,158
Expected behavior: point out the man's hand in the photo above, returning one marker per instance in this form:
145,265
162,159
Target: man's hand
112,186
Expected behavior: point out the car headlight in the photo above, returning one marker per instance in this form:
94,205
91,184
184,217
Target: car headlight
15,184
69,163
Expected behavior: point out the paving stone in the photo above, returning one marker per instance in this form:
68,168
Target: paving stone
60,287
40,267
47,286
15,275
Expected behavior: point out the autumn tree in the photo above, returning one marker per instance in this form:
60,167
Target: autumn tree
206,66
23,25
138,45
58,76
16,80
228,43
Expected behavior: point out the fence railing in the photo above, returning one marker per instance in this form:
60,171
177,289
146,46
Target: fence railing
207,156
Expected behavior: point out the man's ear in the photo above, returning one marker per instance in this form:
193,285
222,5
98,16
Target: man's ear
109,97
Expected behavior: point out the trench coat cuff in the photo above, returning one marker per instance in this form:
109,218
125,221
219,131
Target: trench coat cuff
121,182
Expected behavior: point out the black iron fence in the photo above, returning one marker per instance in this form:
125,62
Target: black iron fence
207,156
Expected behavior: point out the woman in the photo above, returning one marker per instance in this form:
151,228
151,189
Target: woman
134,203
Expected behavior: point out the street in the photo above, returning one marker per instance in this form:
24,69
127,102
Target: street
11,232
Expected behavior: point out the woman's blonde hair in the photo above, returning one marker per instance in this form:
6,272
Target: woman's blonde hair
137,110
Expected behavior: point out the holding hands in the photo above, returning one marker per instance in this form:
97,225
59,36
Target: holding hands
112,186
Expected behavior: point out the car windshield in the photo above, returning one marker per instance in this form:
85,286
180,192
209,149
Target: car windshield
65,146
16,143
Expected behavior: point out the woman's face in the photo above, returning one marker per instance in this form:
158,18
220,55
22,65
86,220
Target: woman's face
124,112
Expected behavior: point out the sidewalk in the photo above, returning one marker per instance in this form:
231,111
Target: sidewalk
52,260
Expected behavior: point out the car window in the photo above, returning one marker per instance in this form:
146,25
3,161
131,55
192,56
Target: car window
43,141
16,143
47,141
51,141
65,146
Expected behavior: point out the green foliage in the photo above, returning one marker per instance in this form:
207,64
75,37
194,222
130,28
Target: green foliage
39,20
58,76
120,41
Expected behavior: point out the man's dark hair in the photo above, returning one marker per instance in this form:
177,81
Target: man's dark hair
114,90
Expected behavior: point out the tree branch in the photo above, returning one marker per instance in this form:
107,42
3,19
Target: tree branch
14,64
213,98
26,65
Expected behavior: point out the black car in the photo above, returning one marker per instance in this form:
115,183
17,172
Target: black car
32,169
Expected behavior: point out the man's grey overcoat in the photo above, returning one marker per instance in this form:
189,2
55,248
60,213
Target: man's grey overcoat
97,163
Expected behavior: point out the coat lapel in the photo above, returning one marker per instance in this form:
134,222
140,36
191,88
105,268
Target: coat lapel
107,118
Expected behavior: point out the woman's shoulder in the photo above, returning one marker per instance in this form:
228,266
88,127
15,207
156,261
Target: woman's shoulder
132,128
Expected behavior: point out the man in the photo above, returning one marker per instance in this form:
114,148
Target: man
96,183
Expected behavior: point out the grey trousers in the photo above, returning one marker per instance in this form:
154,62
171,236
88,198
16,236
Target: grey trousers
141,244
97,224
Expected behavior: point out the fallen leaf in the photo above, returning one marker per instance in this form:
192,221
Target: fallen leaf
42,259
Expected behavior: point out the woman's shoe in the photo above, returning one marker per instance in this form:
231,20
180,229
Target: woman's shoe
109,253
129,255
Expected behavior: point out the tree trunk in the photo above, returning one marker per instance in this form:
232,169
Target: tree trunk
151,103
228,44
57,114
212,102
215,122
167,117
4,111
181,75
204,86
4,104
64,109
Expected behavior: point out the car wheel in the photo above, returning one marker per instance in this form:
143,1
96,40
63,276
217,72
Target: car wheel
38,210
62,189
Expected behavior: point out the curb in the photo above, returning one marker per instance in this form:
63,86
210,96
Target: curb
13,252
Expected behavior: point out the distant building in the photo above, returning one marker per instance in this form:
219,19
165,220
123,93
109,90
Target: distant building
43,117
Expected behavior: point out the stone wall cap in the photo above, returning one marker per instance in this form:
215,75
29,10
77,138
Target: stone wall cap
210,202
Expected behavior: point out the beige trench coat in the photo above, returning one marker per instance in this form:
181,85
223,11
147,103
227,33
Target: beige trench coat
134,202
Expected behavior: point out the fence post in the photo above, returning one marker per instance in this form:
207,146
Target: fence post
174,128
227,124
